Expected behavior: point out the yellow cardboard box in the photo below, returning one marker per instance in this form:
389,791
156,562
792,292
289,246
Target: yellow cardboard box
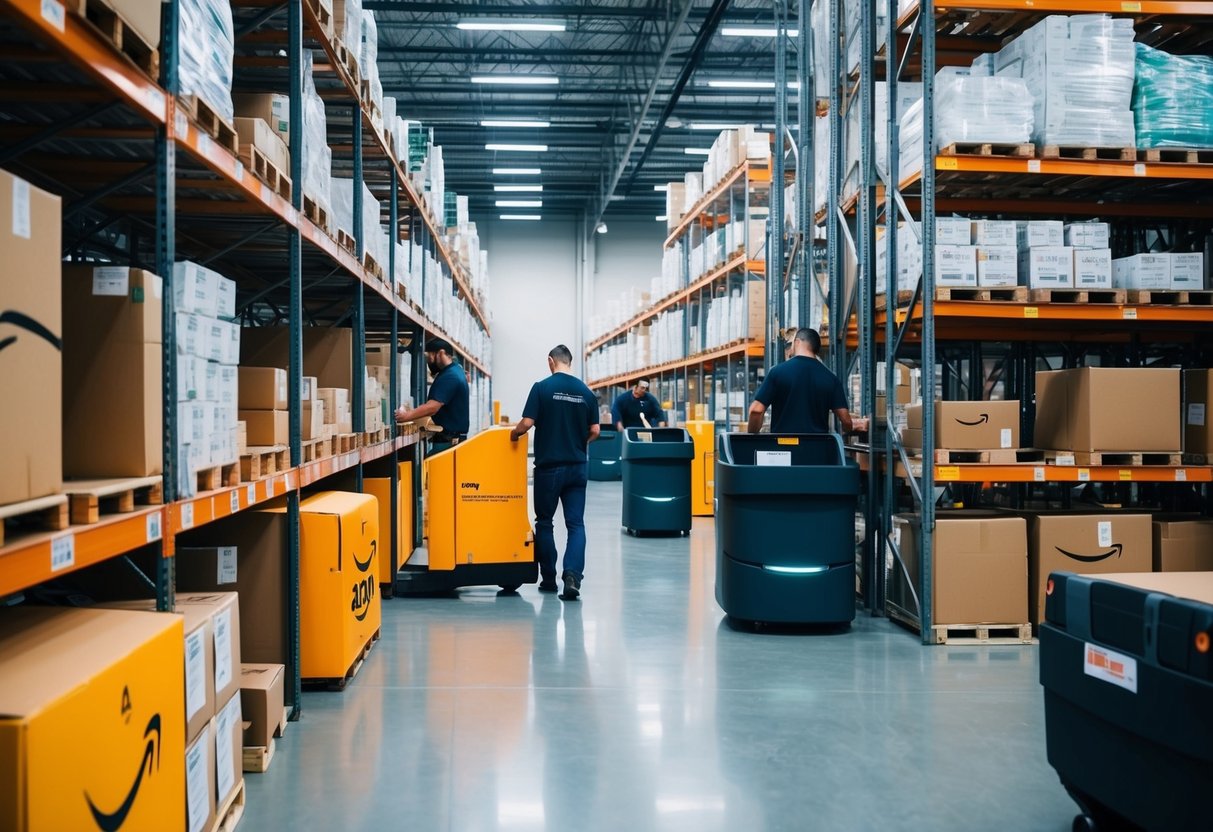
380,489
90,724
703,468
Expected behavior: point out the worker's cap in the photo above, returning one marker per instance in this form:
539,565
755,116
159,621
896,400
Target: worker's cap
643,384
439,345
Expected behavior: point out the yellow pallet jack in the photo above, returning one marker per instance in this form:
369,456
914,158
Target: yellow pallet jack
478,527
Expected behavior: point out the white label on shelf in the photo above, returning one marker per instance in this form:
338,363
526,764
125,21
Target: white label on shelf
292,216
267,195
182,125
269,487
1004,437
195,672
1110,666
1181,475
155,100
21,221
1064,459
1129,313
223,649
1139,169
239,171
197,785
1084,474
235,500
63,552
227,565
111,281
225,763
54,13
187,515
204,144
1038,473
1033,166
153,526
290,481
252,493
1104,533
1196,414
782,459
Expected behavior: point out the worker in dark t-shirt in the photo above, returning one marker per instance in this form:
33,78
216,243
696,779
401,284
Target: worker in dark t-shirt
803,393
564,413
447,402
630,406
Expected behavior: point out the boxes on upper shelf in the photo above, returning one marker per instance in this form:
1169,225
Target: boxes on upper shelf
266,427
1039,233
1046,267
1142,271
1088,234
994,233
975,426
956,265
997,266
263,388
258,133
271,107
1092,409
953,231
1188,271
1092,268
1198,412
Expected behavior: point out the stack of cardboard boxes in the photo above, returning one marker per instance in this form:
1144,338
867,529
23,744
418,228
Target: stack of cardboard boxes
263,406
1083,410
262,702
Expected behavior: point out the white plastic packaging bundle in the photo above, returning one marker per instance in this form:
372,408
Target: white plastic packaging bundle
317,155
373,242
206,45
968,109
368,50
351,29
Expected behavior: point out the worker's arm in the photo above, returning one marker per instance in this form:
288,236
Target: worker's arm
595,432
521,429
619,426
851,424
758,412
428,409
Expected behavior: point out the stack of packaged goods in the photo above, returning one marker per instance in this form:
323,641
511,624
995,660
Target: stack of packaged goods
369,61
373,242
317,155
731,148
675,204
692,185
338,415
263,402
208,352
1173,99
206,45
347,26
264,121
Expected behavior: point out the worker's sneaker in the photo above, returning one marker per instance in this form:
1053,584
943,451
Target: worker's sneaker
572,587
548,585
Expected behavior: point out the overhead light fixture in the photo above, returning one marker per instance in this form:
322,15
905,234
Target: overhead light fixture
519,203
661,187
510,25
601,229
523,80
696,151
531,217
499,122
661,218
516,148
713,125
755,32
519,189
617,198
747,84
516,171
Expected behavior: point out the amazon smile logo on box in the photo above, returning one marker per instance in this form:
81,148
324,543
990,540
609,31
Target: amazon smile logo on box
1115,551
148,765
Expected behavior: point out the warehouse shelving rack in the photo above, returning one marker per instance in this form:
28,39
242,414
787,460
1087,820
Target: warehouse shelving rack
1017,337
746,187
143,184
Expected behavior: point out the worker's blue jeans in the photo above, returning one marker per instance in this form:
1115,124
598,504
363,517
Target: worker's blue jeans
564,484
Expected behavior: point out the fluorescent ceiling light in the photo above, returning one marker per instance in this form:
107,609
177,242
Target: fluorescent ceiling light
531,217
516,171
747,84
696,151
617,198
499,122
520,203
522,148
519,189
661,218
661,187
712,125
510,26
526,80
755,32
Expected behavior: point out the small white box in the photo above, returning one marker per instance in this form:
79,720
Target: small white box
1092,268
1047,267
953,231
997,266
955,265
1088,234
994,233
225,297
189,333
195,288
1142,271
1040,233
1188,271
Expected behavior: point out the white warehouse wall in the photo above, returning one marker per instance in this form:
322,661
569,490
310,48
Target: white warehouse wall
627,256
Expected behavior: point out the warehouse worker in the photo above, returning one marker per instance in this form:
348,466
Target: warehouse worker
564,413
803,393
447,403
637,408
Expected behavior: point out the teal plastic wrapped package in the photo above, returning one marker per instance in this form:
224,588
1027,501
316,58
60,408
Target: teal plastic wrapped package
1173,99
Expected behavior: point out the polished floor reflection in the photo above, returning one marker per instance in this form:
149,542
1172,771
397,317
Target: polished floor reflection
639,708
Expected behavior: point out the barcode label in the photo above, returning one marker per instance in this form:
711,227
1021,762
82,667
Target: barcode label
1038,474
187,516
1110,666
950,277
1084,474
55,14
1033,166
182,125
252,493
1181,475
153,526
235,501
239,170
63,552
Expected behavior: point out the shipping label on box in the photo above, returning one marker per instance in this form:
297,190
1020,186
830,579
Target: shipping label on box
955,265
1050,267
994,233
997,266
1188,271
1040,233
1087,234
1092,268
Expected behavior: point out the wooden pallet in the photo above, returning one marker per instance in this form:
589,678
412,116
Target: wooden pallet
369,101
347,60
265,170
346,240
261,461
228,817
318,215
1182,155
114,28
210,122
982,634
214,477
372,265
992,456
1098,458
1158,297
1116,296
1008,294
41,514
1110,154
257,758
341,683
1014,149
88,500
1199,297
343,443
323,15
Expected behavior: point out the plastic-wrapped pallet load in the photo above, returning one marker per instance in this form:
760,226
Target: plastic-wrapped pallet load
343,215
206,45
369,60
317,155
1173,99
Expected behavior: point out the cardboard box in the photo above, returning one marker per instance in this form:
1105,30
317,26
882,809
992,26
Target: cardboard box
380,489
980,567
143,17
258,133
199,782
1050,267
1000,233
266,427
1198,412
976,426
1092,409
1092,268
227,732
263,388
262,701
112,381
1087,544
1142,271
912,438
31,456
1188,271
312,420
955,265
1088,234
1040,234
953,231
309,389
103,672
327,352
997,266
1183,545
272,108
223,611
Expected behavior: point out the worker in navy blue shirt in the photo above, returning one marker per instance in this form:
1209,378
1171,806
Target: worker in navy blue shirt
803,393
447,402
629,406
564,413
